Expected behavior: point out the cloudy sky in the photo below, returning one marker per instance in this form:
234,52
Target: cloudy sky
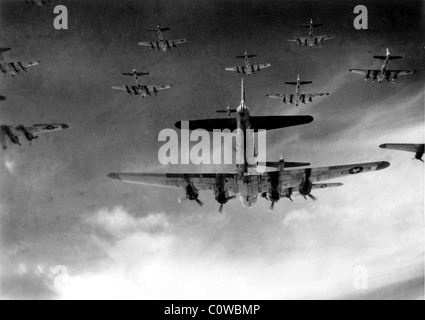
67,231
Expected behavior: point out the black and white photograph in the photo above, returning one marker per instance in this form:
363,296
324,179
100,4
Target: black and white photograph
195,151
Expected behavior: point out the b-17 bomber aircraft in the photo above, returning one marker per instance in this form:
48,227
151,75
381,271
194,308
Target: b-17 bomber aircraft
298,96
2,98
418,149
39,3
384,73
246,182
248,68
11,134
14,68
161,43
140,89
312,40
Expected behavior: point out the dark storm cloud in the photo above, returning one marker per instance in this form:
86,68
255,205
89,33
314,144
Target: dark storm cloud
55,197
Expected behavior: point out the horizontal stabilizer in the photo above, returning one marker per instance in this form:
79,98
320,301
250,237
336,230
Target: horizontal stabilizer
257,123
227,111
286,164
139,74
161,29
396,57
301,83
248,56
314,25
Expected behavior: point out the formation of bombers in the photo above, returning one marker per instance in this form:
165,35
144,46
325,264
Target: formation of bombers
249,182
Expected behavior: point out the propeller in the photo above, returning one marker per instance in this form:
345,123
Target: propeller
181,200
220,210
272,206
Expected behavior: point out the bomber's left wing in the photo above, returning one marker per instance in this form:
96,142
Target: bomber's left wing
276,96
12,133
240,69
297,39
177,180
21,66
152,45
293,178
38,128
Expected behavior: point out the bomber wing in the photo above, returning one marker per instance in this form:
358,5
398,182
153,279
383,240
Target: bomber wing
293,178
403,147
257,123
176,180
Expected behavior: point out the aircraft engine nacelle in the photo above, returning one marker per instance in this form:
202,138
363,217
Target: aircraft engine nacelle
28,135
310,99
221,192
222,196
288,194
192,193
367,75
306,188
395,77
274,195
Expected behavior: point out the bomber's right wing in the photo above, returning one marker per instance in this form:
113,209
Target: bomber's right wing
325,37
257,123
397,73
159,87
178,41
294,178
403,147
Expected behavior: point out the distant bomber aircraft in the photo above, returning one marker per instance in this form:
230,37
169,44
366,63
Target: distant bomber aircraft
139,89
312,40
298,96
162,44
14,68
2,98
384,73
248,68
415,148
246,182
12,133
39,3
